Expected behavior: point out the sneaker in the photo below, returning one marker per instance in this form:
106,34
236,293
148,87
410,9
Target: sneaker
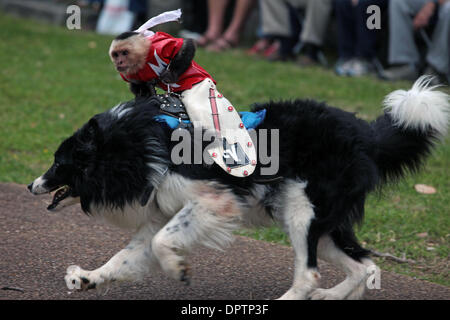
309,55
438,78
306,61
272,49
403,72
343,66
259,47
273,53
360,67
277,56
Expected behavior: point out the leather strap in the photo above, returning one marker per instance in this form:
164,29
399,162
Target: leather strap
214,110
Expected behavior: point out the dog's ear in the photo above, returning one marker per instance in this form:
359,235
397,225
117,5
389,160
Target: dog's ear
92,132
89,140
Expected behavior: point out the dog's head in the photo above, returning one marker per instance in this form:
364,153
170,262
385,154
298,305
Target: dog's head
112,164
71,167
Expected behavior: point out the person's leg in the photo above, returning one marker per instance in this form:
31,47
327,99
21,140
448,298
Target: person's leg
314,28
345,18
346,28
403,52
287,44
279,21
402,48
240,14
366,38
438,53
316,21
231,36
274,18
216,15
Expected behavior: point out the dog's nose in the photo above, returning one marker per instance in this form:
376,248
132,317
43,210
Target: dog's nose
30,186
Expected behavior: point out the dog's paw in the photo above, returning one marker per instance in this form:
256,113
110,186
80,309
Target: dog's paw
325,294
79,279
294,294
185,273
178,269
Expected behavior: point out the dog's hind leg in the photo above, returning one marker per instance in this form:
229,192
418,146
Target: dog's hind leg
129,264
353,286
209,219
297,215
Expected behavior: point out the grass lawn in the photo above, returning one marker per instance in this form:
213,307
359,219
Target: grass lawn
53,80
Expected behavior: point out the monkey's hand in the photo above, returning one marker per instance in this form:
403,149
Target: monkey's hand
144,89
168,76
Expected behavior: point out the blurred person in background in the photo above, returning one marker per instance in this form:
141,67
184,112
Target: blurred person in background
117,16
406,18
280,28
195,16
94,4
215,38
356,42
140,9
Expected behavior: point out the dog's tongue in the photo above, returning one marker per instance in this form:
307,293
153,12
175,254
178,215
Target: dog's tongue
58,196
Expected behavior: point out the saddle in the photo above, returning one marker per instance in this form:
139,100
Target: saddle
171,105
175,116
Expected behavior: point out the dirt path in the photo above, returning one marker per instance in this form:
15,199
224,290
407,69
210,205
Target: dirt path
37,246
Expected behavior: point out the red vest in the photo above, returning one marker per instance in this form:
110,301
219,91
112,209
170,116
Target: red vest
163,49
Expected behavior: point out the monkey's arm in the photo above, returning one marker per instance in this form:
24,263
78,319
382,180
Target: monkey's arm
180,63
143,89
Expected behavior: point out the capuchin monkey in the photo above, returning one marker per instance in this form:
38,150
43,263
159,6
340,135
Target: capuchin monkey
167,62
135,58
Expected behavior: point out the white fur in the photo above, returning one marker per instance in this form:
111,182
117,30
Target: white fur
171,196
38,186
162,234
129,264
119,111
183,213
297,214
255,214
419,107
353,286
132,217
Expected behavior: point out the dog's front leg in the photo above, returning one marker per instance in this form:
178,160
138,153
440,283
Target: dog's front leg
129,264
197,223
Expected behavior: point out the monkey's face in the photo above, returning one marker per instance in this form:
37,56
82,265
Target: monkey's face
121,60
129,55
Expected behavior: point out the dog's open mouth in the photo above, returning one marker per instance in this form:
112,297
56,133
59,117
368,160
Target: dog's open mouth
59,195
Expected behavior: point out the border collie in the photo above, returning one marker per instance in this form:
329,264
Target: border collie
118,167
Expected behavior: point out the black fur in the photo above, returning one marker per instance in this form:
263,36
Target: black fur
341,157
143,89
180,63
126,35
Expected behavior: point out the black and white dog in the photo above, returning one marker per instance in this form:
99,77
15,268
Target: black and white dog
118,167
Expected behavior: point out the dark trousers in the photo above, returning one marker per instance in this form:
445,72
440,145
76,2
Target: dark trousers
355,39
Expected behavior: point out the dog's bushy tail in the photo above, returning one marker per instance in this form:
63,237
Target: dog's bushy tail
413,121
